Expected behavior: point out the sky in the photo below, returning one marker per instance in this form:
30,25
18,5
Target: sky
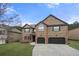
32,13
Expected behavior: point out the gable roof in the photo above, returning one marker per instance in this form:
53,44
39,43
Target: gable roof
41,22
28,25
52,16
14,29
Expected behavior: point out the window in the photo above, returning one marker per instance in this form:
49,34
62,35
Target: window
25,37
41,27
28,37
27,30
2,32
56,28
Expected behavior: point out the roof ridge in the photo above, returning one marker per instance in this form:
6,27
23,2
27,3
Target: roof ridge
54,17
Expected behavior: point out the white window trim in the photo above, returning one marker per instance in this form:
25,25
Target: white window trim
27,29
41,27
56,28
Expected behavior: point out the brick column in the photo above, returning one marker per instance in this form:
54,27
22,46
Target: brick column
36,39
46,36
36,34
66,38
46,39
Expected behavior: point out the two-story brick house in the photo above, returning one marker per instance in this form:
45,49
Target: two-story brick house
49,30
28,33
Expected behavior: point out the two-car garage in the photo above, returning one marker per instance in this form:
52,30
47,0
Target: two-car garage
51,40
58,40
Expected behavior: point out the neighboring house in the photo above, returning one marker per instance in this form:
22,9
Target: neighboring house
9,34
74,34
14,35
50,30
3,33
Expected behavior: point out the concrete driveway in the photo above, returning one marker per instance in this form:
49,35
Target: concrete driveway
54,50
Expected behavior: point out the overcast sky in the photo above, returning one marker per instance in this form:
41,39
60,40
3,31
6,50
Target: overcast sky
32,13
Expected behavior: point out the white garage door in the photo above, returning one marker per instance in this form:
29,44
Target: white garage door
2,41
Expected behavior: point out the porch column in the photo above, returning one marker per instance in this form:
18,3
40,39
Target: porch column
31,38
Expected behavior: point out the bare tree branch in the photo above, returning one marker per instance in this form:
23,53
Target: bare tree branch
7,19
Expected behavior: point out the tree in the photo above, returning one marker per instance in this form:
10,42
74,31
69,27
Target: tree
5,18
3,7
76,22
74,25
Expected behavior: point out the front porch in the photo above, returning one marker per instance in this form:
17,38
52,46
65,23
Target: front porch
28,38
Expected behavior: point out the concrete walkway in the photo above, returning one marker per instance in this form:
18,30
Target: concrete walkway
54,50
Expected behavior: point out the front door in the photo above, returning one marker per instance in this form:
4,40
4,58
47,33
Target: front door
33,37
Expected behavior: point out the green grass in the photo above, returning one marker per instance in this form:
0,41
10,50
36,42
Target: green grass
74,44
16,49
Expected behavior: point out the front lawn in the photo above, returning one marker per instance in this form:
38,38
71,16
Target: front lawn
16,49
74,44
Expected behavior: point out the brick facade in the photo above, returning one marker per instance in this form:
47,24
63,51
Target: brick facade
48,32
49,22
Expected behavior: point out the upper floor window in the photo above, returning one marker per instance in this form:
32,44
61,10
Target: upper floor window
56,28
41,27
27,30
